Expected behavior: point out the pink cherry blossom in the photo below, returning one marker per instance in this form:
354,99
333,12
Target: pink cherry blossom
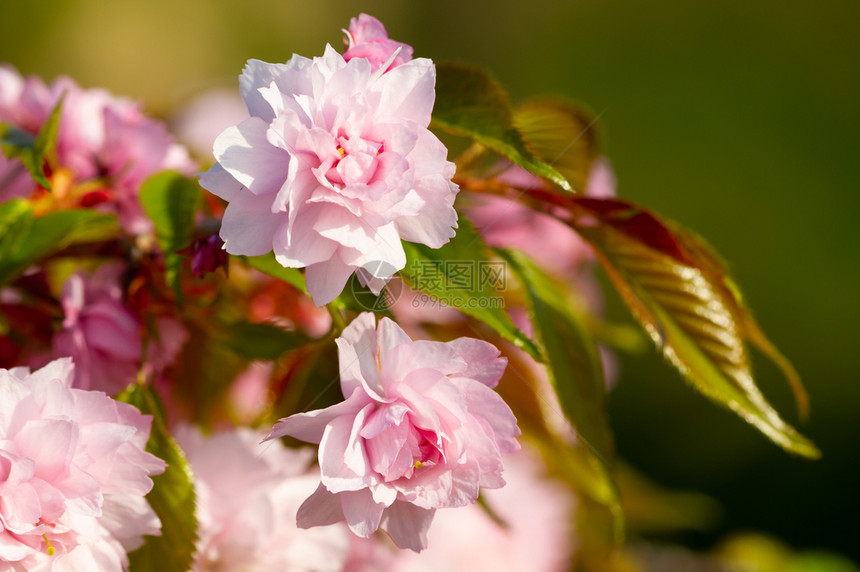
420,430
73,474
104,337
334,167
105,142
246,507
367,38
25,102
203,118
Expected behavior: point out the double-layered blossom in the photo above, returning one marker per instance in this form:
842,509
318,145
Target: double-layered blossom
334,168
246,507
420,429
73,474
106,146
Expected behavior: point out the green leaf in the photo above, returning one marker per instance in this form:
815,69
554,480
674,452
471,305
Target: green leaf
46,235
651,508
562,134
169,200
16,218
572,358
14,140
750,330
208,370
462,276
267,264
312,382
358,298
57,230
470,103
598,497
32,151
576,374
259,341
172,496
689,305
46,138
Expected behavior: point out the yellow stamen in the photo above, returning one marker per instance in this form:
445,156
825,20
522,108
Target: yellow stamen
51,550
341,151
418,464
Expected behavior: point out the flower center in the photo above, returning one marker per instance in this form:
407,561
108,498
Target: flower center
427,453
357,164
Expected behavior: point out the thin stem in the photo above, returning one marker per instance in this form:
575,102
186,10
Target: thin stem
337,321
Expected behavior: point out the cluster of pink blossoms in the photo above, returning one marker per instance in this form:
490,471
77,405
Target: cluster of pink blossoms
246,511
73,474
334,168
336,165
106,147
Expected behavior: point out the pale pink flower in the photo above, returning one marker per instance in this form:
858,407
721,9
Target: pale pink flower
104,337
420,430
107,138
601,181
103,140
73,474
367,38
334,168
202,119
24,102
246,507
249,394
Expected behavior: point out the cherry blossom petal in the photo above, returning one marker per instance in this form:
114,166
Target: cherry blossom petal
245,152
407,525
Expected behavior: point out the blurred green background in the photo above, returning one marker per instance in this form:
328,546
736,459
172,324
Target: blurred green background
739,119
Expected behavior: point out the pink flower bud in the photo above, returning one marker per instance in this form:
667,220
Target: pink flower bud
207,254
367,38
